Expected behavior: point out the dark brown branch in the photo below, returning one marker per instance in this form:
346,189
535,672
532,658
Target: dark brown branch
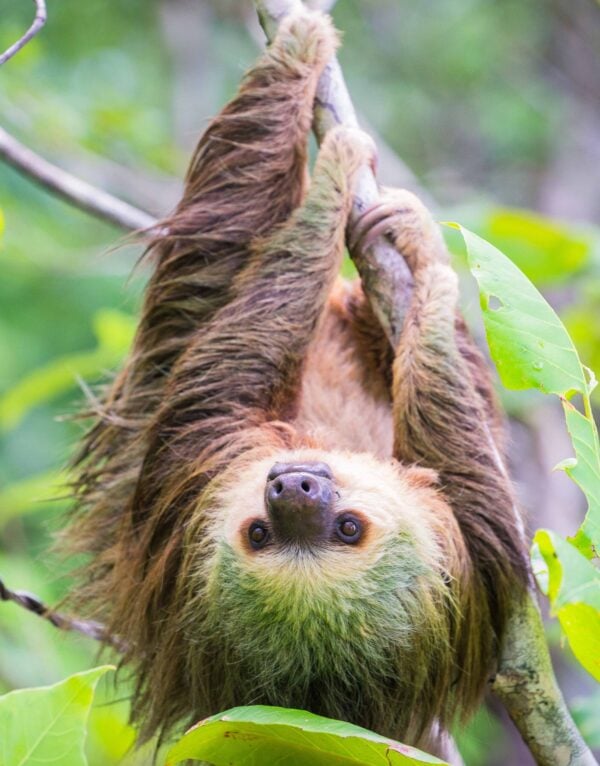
88,628
38,23
72,189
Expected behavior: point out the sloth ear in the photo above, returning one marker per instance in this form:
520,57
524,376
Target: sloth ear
417,476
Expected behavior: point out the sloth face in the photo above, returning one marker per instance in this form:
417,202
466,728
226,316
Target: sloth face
325,510
327,580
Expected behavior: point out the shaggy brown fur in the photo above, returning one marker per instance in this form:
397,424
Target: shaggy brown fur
248,353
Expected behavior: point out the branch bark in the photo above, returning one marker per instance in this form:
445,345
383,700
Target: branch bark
38,22
72,189
87,628
526,686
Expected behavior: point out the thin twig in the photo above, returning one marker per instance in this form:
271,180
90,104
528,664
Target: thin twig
38,23
75,191
88,628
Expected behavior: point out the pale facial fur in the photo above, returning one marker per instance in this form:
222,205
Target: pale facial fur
379,491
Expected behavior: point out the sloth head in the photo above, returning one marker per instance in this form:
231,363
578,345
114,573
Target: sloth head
331,585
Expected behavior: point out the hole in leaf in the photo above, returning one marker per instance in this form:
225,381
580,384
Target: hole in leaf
494,303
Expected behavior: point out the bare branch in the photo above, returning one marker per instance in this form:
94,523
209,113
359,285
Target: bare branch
526,685
72,189
392,170
38,23
88,628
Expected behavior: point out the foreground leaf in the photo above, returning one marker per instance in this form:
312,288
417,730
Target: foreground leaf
528,343
258,735
585,472
48,725
572,584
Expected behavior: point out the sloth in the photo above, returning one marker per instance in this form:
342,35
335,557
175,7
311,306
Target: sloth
277,506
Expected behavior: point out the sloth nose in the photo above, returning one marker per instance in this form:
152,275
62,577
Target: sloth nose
299,504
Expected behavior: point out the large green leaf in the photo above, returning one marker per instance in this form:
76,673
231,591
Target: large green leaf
254,736
528,343
532,349
572,583
48,725
546,251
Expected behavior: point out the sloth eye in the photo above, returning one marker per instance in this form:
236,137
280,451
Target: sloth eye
258,534
348,529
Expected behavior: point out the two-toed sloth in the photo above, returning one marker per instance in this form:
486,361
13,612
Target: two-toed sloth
280,507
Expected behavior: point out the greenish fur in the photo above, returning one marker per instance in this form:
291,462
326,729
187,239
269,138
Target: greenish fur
345,649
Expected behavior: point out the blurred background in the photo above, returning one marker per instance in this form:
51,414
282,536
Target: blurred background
489,109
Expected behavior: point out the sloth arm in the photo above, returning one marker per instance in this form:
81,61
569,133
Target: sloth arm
444,415
247,175
240,379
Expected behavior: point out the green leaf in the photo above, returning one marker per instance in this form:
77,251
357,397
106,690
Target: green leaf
585,473
258,735
572,583
545,250
48,724
532,349
529,344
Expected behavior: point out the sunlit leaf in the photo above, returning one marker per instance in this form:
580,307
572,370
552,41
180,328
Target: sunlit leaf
585,472
545,250
532,349
528,342
48,724
572,583
254,736
110,735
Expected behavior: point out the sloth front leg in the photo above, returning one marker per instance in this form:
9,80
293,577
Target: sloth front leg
244,370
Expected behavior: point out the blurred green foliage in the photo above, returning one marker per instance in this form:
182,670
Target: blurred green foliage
458,89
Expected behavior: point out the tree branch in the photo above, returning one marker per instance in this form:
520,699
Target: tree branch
38,22
384,274
72,189
526,686
33,604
